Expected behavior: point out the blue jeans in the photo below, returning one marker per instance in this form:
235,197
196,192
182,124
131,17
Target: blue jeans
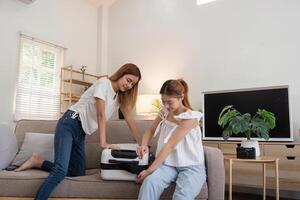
69,154
189,181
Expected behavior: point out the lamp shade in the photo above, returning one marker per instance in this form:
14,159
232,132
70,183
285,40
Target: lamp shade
148,104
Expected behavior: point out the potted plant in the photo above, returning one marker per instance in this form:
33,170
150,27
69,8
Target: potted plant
156,105
233,122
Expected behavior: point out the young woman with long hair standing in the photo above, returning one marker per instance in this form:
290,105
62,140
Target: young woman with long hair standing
87,116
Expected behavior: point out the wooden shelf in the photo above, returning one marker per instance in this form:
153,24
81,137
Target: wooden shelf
70,69
71,85
74,95
72,99
78,82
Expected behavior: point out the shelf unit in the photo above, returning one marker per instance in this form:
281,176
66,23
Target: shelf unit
73,83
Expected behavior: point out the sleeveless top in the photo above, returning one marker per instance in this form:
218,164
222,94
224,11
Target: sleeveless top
188,151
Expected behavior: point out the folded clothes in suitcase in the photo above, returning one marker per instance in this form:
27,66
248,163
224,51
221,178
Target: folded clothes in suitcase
123,163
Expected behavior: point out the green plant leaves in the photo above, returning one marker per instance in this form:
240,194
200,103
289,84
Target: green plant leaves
268,118
240,124
233,122
260,128
226,134
156,105
227,114
225,109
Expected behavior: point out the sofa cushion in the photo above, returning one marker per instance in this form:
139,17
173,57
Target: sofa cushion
89,186
26,183
40,143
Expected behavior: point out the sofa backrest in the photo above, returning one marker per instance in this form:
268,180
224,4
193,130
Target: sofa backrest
117,132
35,126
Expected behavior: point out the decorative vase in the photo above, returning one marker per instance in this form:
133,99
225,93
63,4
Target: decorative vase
251,143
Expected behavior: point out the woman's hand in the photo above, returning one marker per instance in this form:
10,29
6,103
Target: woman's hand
142,150
142,176
110,146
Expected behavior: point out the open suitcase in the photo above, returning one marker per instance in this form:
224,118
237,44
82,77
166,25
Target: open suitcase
123,163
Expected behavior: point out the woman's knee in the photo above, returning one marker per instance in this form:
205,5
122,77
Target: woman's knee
150,180
185,193
59,171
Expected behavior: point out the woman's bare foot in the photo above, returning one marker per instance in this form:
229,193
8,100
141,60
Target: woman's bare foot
35,160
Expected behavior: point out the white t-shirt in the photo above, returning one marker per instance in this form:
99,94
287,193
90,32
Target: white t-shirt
188,151
86,106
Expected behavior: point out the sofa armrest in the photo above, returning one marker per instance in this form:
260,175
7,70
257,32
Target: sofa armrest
215,171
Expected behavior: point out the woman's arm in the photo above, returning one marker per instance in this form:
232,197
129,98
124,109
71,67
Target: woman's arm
131,124
141,150
184,128
150,131
101,119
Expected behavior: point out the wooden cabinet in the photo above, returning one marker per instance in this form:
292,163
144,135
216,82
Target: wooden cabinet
289,164
73,84
249,175
282,150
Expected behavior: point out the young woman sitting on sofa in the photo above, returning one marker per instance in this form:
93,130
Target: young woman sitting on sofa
179,154
87,116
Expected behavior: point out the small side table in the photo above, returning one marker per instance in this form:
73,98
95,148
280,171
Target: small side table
264,160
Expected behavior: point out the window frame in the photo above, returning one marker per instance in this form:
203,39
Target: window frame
38,89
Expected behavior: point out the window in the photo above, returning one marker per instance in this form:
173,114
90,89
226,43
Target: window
37,92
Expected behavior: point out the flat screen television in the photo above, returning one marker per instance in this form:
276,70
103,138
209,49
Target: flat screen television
274,99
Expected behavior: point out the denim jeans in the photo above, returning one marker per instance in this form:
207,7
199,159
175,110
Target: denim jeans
69,154
189,181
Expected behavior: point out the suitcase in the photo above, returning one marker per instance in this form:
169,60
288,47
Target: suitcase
123,163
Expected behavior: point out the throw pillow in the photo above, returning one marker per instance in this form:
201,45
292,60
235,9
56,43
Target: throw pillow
8,146
40,143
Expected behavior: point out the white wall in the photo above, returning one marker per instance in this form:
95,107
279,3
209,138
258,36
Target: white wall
226,44
72,23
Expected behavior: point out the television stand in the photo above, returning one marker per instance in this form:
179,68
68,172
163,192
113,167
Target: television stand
249,175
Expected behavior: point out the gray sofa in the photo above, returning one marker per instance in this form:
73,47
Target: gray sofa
26,183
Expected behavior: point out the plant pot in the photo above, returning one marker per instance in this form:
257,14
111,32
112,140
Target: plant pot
251,143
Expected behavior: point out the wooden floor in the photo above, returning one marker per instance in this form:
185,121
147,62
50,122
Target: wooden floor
236,196
244,196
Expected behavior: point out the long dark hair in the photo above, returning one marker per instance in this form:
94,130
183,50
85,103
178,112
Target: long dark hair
128,98
177,88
